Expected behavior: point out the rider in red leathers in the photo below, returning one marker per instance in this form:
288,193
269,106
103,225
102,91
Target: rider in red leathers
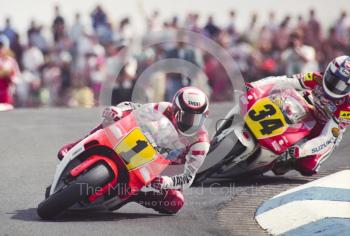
187,112
330,93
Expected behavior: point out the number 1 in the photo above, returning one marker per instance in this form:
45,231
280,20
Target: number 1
140,145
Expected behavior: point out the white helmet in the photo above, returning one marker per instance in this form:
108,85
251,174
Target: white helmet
190,109
336,79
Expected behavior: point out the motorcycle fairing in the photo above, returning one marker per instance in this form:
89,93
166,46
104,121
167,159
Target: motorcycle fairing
267,122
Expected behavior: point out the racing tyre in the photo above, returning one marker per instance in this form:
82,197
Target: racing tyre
204,177
75,192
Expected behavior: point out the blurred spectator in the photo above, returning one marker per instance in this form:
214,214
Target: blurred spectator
242,54
181,51
95,68
313,31
281,38
82,95
29,88
192,23
51,84
342,29
231,27
77,30
121,69
9,31
98,18
8,72
211,29
36,38
272,25
70,69
58,25
299,58
113,61
33,29
218,78
125,82
17,49
125,32
64,60
150,88
33,59
252,31
302,26
331,47
105,33
153,22
5,43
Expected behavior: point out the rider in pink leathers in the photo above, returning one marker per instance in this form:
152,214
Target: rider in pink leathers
330,93
8,71
187,112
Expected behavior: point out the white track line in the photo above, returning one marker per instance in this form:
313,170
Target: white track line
295,214
340,179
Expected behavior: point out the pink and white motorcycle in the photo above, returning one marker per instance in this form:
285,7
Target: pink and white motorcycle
257,132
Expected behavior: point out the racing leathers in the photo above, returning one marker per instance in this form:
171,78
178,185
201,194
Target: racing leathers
194,149
332,116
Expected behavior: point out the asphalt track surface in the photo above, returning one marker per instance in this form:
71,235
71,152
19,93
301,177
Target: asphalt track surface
28,146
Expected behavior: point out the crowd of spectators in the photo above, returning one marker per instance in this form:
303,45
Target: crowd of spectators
68,66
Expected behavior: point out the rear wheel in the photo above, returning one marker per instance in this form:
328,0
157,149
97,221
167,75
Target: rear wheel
76,191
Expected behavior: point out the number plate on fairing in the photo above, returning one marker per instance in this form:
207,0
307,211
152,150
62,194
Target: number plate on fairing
265,119
135,149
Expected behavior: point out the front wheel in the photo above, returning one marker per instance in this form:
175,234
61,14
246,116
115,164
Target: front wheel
206,175
76,191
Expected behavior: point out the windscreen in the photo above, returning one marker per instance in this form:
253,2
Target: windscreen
157,128
292,104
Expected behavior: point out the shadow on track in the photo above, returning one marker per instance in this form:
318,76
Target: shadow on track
256,181
82,216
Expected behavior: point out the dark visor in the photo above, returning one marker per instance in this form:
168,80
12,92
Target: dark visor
189,122
336,84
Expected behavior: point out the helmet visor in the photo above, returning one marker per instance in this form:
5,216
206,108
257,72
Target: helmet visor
189,122
337,84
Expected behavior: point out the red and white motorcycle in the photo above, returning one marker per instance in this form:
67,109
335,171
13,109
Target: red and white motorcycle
110,166
257,132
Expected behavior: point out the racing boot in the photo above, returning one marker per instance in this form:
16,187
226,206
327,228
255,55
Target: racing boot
284,165
281,168
63,150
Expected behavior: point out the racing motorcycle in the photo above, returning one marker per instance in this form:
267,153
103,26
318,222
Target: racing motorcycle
257,132
107,168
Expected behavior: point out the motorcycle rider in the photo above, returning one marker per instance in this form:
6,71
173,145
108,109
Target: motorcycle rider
187,112
330,92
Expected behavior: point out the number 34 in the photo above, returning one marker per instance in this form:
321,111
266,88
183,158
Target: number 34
268,125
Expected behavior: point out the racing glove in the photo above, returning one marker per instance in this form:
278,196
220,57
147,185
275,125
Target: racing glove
161,182
112,114
294,152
